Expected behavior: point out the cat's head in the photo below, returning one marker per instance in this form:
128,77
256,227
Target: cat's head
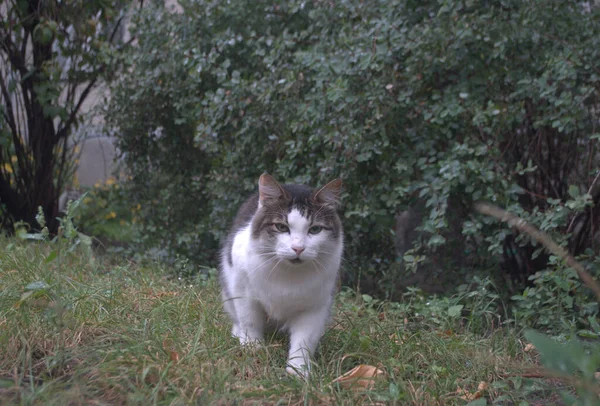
296,223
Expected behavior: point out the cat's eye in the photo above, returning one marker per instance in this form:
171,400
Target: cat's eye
315,230
282,228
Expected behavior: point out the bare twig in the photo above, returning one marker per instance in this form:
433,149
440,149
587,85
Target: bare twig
65,127
542,238
589,192
549,374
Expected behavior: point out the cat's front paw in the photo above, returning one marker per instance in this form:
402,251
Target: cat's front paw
251,342
247,338
300,371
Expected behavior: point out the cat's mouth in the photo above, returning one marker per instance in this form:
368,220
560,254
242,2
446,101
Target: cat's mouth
295,261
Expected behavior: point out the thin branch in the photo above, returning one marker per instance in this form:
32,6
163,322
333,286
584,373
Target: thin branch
73,115
541,237
15,56
117,26
62,132
546,373
589,192
10,119
26,86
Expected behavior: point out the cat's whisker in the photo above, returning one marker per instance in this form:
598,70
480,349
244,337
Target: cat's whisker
319,266
265,254
272,269
262,264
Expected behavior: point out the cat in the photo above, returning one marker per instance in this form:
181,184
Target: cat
280,264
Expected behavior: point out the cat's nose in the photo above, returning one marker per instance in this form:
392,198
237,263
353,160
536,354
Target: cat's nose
297,250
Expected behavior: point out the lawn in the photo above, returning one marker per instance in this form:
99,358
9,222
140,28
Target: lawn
77,329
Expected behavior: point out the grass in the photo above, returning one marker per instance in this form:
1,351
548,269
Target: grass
105,331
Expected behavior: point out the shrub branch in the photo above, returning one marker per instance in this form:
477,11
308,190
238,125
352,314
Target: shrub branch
541,237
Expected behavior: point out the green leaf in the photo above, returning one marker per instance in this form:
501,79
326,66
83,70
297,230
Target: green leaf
85,239
569,398
32,236
478,402
25,295
6,383
51,111
33,289
37,285
454,311
587,334
394,391
563,358
51,257
573,191
594,323
436,240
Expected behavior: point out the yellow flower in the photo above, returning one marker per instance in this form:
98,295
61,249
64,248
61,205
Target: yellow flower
97,185
110,215
110,181
8,168
13,159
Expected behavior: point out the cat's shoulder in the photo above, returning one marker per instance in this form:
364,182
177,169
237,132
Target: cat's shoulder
245,213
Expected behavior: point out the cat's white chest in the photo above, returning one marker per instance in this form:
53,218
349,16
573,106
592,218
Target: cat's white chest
283,289
284,295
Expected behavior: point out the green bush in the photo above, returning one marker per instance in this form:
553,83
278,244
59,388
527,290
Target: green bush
54,55
107,213
433,104
558,301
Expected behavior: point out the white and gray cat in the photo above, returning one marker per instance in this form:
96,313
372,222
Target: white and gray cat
280,264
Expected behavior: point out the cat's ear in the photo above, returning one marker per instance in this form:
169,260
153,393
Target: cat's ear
330,193
269,189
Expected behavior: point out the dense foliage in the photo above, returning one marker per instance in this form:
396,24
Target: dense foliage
53,54
428,105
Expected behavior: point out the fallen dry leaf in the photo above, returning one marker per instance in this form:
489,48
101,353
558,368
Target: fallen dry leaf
466,395
174,356
394,337
338,326
360,377
469,396
168,347
529,347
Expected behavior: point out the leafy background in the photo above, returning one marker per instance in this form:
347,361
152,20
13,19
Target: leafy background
425,106
422,107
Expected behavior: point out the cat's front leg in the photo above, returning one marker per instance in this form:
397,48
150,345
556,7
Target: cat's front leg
305,332
251,319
